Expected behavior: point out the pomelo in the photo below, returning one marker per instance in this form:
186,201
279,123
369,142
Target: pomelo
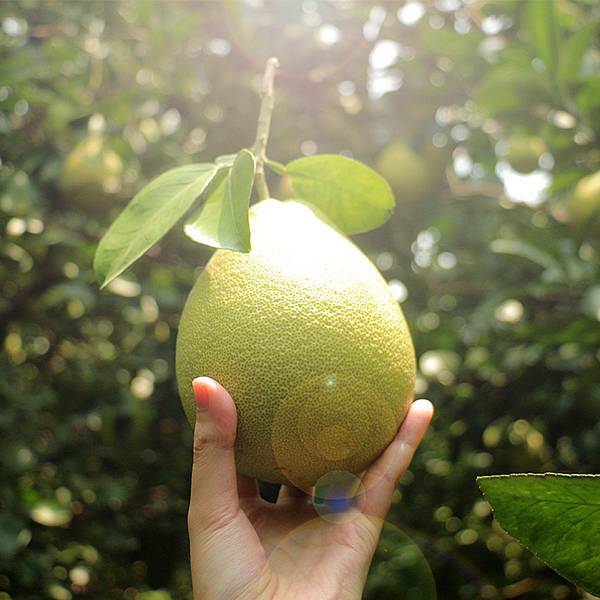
406,172
306,336
584,203
90,174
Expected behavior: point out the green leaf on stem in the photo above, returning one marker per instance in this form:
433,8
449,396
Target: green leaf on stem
275,166
222,221
149,216
225,160
556,516
352,195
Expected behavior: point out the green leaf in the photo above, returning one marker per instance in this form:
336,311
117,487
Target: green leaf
10,530
556,516
352,195
225,160
509,88
525,250
276,166
571,55
148,217
541,22
222,221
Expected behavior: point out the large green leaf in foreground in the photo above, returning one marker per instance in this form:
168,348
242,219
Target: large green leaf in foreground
222,221
556,516
149,216
352,195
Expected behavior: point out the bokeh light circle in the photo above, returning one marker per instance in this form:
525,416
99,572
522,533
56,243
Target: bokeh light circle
336,496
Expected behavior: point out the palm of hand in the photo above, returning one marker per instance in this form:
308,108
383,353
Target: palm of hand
243,547
303,555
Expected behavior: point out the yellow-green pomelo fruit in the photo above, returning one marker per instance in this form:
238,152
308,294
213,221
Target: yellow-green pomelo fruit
405,171
584,204
90,174
524,152
306,336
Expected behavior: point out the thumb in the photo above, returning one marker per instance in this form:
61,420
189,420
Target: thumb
214,500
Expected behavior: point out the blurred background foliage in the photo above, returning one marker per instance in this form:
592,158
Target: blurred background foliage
485,118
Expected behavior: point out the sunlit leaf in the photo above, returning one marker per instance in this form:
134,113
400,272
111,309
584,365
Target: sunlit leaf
543,30
352,195
222,221
149,216
50,513
556,516
225,160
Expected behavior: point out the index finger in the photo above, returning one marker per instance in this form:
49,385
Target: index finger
383,475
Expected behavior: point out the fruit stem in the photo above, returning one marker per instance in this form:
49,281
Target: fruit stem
264,123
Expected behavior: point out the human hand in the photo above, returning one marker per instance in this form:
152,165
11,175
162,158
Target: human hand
243,547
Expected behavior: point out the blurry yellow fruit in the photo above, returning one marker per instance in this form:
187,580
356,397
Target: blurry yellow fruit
90,174
584,204
306,336
406,172
524,152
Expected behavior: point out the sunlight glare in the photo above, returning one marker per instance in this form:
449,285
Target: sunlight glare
529,189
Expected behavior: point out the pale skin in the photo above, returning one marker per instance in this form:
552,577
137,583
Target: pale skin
245,548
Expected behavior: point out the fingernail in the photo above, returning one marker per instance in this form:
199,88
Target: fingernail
200,394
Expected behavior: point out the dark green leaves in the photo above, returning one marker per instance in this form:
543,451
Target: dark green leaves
525,250
148,217
556,516
222,222
10,535
352,195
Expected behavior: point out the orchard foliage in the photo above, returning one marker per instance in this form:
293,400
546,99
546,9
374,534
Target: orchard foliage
496,270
